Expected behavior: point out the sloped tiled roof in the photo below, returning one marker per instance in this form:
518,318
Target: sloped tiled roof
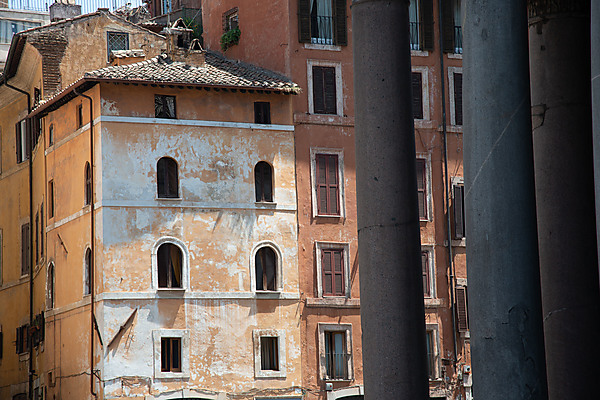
216,71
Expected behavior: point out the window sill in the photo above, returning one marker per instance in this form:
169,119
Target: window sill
433,302
268,294
323,119
169,198
328,216
326,379
333,302
457,242
170,292
171,375
265,204
24,356
457,56
327,47
419,53
270,374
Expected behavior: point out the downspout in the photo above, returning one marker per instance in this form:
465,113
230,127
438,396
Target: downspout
447,184
31,255
92,246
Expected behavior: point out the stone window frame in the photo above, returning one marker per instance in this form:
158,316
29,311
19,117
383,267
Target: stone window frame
428,185
229,16
343,327
185,269
451,72
424,71
429,248
87,270
278,268
313,181
281,345
338,85
184,335
321,245
51,285
434,328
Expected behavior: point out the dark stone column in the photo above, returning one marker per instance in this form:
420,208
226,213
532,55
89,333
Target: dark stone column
502,259
559,48
595,17
391,288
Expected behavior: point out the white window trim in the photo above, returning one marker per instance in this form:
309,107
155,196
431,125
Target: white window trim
51,266
280,335
338,85
185,270
451,72
436,348
322,358
184,335
342,393
313,178
424,91
278,266
431,266
429,201
319,246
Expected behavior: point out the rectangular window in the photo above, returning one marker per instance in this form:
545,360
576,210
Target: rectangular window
422,188
458,115
420,16
431,354
336,358
462,315
42,232
23,342
25,250
37,235
458,203
22,145
230,19
170,356
164,106
322,22
332,265
117,41
51,135
417,95
426,273
451,24
262,112
327,184
79,116
269,353
324,90
51,199
1,344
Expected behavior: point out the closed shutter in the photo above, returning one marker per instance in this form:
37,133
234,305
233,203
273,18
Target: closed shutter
425,270
341,31
327,184
330,91
18,145
427,23
459,211
324,90
458,114
25,256
421,188
461,309
448,26
318,90
417,95
304,21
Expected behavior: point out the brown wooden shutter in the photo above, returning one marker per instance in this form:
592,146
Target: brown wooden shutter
318,90
461,309
427,24
425,270
448,26
459,209
421,188
28,133
417,95
304,21
25,256
18,142
341,30
458,114
330,90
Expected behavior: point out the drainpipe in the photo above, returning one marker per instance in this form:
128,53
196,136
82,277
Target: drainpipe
92,246
447,184
30,168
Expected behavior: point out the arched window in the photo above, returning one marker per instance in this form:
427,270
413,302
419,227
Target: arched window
265,264
50,287
87,278
170,265
167,179
88,184
263,181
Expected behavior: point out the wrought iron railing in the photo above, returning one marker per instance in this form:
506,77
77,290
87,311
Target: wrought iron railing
87,6
321,29
415,42
458,40
337,365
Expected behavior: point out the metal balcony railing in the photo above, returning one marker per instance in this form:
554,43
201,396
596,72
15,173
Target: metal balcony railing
458,40
415,42
321,29
337,366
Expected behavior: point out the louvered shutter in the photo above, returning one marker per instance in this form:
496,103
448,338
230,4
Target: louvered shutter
330,90
461,309
341,30
448,26
25,257
304,21
427,23
18,142
318,90
417,95
338,270
321,184
327,273
421,188
458,114
459,217
425,270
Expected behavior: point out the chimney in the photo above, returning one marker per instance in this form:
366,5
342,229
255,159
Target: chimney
64,9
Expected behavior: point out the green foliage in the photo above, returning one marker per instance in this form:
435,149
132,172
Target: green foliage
195,26
230,38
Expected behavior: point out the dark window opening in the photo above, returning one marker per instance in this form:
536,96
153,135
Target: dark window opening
164,106
269,353
324,90
430,341
262,112
88,184
42,231
322,22
87,279
23,342
37,96
336,357
170,355
230,19
417,95
37,235
458,114
1,344
23,145
328,201
51,283
266,269
79,116
422,188
51,135
51,199
167,178
426,273
458,203
117,41
263,182
451,26
25,250
170,264
420,16
332,264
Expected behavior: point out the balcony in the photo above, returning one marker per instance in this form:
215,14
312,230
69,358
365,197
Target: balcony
337,366
415,42
321,29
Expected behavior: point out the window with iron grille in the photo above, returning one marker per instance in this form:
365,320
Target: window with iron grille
269,353
25,250
170,266
327,184
263,182
322,22
170,356
164,106
458,112
117,41
451,26
167,178
420,16
462,309
458,204
336,356
324,90
422,188
262,112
